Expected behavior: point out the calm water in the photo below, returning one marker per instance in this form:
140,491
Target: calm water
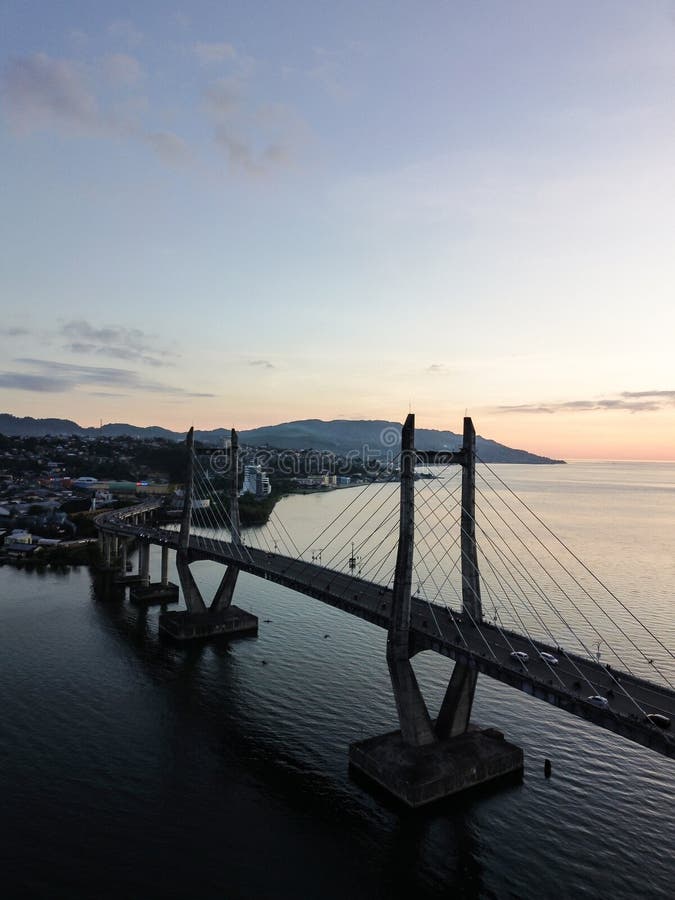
130,767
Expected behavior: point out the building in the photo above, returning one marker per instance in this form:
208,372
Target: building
256,482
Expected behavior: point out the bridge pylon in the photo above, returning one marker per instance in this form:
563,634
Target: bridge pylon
220,617
426,761
455,712
416,727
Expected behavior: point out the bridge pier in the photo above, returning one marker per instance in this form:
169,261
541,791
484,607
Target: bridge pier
221,617
425,761
144,562
123,557
146,592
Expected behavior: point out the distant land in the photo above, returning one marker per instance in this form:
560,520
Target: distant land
339,436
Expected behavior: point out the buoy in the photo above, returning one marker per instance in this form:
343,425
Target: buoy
547,768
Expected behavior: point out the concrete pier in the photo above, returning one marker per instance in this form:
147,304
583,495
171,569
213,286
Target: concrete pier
154,593
417,776
230,622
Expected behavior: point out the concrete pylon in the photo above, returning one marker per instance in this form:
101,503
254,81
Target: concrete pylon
455,713
223,596
222,617
144,561
164,578
193,598
416,727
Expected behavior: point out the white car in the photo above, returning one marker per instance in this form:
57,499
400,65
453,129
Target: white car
549,658
658,719
520,655
599,701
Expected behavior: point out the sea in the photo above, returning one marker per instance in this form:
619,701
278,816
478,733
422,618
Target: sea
133,767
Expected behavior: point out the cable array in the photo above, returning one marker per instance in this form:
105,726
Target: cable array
527,588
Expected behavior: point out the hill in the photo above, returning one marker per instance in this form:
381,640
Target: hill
344,436
340,436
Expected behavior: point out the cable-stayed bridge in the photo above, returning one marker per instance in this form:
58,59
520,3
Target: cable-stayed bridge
456,564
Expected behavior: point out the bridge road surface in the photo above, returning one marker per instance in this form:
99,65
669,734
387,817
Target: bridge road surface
434,627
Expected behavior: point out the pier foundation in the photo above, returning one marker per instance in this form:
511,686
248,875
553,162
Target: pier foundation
155,593
417,776
230,622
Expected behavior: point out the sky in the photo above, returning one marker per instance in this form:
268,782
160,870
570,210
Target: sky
245,213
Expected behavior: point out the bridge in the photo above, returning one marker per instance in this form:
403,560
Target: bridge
518,645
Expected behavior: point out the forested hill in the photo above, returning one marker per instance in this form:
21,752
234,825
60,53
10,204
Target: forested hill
339,436
344,436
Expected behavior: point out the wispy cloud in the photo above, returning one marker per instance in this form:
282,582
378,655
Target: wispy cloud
214,52
171,148
438,369
115,341
122,69
627,401
48,376
262,363
20,381
39,91
125,31
256,138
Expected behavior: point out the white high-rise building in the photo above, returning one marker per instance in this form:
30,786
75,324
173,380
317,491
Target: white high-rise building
256,482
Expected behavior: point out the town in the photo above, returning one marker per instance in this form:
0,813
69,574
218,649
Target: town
52,487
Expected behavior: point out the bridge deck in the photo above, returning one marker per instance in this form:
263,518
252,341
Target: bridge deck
485,647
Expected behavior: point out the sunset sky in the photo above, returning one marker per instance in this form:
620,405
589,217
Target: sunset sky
243,213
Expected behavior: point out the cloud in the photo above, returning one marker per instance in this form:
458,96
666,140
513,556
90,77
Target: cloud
169,147
53,377
106,394
114,341
122,69
668,396
224,96
14,331
179,20
438,369
628,401
330,70
78,37
42,384
124,30
210,53
255,141
39,91
262,363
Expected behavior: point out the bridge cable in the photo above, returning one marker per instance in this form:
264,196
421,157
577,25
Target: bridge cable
588,571
490,592
576,582
562,619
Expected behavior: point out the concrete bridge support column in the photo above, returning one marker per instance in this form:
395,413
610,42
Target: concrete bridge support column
165,566
123,557
144,561
416,728
455,712
222,599
221,617
420,764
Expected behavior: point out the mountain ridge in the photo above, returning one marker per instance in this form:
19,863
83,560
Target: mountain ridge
363,436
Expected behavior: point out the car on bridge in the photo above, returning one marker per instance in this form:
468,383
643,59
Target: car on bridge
658,719
520,656
600,702
549,658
